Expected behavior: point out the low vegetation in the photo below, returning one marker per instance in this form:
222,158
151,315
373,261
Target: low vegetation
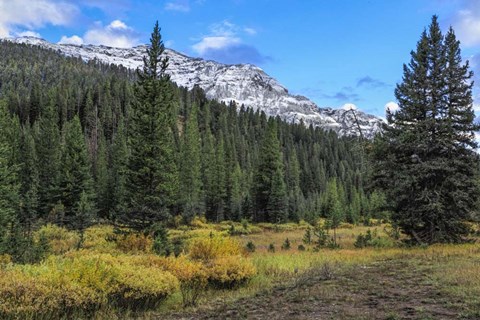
107,277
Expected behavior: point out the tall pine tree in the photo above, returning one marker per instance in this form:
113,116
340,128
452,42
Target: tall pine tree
269,189
152,170
425,160
76,183
190,174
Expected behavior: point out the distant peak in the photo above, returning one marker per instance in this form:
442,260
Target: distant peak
349,106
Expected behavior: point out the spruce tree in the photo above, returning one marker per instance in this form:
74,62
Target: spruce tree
152,169
47,145
425,161
29,181
190,174
9,184
118,173
269,185
76,183
102,186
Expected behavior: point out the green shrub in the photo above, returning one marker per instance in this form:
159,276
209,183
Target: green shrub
250,246
271,247
286,244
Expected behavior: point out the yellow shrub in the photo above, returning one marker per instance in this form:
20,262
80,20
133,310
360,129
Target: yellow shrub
185,270
143,287
210,248
228,271
59,239
99,238
199,223
135,243
40,290
95,271
81,281
5,259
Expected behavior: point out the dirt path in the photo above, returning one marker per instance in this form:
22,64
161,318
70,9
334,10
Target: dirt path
385,290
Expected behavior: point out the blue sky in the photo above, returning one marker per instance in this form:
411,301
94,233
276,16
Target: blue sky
332,51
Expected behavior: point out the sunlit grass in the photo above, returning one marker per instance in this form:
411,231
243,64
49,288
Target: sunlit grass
455,268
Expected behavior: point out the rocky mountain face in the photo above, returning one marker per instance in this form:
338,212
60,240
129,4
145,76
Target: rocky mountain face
243,83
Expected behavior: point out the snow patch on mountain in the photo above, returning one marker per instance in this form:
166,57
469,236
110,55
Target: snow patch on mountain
243,83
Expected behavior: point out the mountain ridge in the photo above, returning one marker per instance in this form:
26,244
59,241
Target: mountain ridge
245,84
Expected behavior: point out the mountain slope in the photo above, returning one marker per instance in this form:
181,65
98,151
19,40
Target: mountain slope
243,83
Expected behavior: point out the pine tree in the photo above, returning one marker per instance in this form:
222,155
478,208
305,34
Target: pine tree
425,161
269,186
118,172
236,190
190,174
76,179
47,145
9,185
29,181
103,188
332,207
152,170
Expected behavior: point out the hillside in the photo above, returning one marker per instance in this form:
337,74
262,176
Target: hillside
243,83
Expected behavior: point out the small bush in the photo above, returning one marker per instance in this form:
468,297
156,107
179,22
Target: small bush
140,288
371,239
60,240
134,243
250,246
100,238
271,247
301,247
192,275
161,242
207,249
230,271
5,259
307,237
286,244
199,223
244,223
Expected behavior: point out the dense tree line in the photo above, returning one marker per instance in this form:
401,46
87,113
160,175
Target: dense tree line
75,135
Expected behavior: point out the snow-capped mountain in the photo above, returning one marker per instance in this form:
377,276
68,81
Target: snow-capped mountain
243,83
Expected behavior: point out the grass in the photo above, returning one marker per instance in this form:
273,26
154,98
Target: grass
363,277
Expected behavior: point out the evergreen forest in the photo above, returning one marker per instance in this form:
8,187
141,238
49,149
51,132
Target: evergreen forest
69,137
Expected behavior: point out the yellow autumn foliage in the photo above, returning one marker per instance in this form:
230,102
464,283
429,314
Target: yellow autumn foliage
81,281
210,248
134,243
60,240
229,271
5,259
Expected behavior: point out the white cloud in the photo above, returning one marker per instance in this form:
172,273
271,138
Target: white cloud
392,106
222,35
466,22
467,26
32,14
179,5
250,31
116,34
76,40
214,43
224,44
28,33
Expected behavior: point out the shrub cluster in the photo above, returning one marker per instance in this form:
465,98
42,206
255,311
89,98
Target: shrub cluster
82,282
